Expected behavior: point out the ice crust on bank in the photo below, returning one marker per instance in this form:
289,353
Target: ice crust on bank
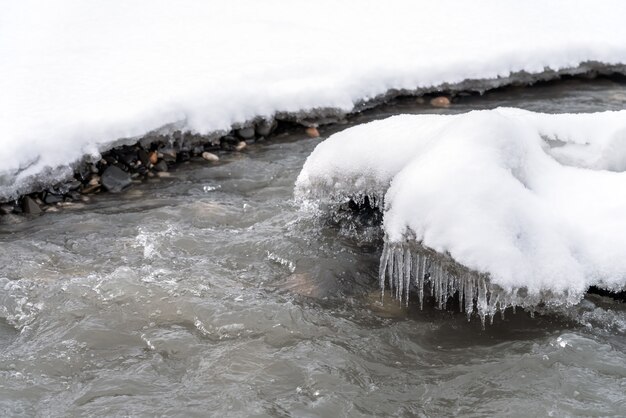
76,76
528,206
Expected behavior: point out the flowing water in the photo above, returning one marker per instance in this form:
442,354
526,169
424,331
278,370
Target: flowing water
208,293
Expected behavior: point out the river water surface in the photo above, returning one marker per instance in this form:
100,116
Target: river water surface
209,293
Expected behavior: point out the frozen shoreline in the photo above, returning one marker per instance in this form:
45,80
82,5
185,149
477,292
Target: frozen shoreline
77,77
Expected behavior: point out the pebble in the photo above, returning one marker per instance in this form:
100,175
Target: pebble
153,157
94,181
312,132
91,188
265,127
246,133
241,145
114,179
164,174
441,101
30,206
6,209
161,166
50,198
209,156
143,157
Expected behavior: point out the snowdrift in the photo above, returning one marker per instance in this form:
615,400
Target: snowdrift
506,206
78,76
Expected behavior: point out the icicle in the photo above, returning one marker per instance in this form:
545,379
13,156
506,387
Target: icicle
407,274
390,267
382,269
399,271
420,276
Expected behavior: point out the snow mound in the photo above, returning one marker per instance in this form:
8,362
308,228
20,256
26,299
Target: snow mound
77,76
519,207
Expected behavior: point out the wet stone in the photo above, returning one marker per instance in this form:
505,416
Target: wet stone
161,166
143,156
264,128
312,132
114,179
210,156
51,198
6,209
441,101
246,133
30,206
153,157
241,145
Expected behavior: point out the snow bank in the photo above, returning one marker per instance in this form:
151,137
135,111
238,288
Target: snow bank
527,206
75,76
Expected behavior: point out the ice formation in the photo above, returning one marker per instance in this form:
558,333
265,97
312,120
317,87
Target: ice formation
506,206
77,76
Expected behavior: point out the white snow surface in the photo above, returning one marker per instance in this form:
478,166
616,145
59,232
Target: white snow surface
77,75
533,200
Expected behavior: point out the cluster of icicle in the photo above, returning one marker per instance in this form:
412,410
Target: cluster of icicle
410,266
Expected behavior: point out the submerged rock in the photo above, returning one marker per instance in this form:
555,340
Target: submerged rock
114,179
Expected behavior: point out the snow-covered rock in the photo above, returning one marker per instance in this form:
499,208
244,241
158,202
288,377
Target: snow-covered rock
529,206
75,76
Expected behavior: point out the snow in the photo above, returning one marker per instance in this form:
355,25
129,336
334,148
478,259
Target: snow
77,76
520,200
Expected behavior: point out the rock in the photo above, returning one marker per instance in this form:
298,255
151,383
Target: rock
114,179
6,209
161,166
163,174
241,145
183,156
265,127
441,101
246,133
154,157
91,188
94,181
50,198
144,157
312,132
420,100
30,206
169,154
210,156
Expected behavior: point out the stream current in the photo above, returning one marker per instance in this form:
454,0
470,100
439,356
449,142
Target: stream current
210,293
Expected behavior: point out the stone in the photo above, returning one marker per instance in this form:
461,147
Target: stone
114,179
264,128
154,157
161,166
51,198
94,181
6,209
210,156
169,154
246,133
241,145
144,157
91,188
312,132
30,206
441,101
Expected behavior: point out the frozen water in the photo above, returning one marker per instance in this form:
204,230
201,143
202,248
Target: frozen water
505,206
78,76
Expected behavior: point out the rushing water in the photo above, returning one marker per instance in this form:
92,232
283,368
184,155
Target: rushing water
208,293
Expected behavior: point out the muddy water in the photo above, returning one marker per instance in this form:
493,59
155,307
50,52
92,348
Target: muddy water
208,293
